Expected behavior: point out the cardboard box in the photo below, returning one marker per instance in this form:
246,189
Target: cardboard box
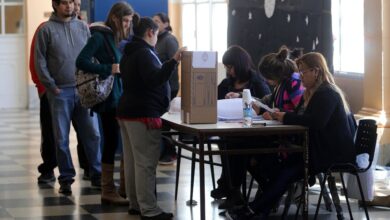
199,87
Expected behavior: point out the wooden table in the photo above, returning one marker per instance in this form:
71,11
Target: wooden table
223,129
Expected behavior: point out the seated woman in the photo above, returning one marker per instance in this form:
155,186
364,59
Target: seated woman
325,112
241,75
282,74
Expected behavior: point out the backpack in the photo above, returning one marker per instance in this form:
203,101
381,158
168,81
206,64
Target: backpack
91,89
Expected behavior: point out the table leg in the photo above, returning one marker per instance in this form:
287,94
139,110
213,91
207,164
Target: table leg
305,214
201,179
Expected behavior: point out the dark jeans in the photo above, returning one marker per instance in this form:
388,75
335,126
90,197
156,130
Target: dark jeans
111,136
48,149
280,180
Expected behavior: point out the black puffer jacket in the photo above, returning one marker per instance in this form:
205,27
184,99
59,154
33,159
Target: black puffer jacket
145,82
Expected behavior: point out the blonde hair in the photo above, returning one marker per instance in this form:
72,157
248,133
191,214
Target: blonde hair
317,61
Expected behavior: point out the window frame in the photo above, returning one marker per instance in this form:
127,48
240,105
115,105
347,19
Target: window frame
211,4
337,58
3,4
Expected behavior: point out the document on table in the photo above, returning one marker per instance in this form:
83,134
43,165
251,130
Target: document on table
258,102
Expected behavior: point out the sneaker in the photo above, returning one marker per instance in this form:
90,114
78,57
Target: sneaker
166,160
46,178
65,189
161,216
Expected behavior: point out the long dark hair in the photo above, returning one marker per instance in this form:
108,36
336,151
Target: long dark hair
277,66
119,10
142,25
165,19
240,59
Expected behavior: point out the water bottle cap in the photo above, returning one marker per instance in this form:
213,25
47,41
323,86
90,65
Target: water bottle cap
246,96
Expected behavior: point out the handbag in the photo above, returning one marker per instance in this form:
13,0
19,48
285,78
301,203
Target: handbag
91,89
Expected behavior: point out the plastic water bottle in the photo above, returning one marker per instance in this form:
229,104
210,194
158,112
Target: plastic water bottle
247,107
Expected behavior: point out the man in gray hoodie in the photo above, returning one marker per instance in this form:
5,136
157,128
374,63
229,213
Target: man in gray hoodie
58,43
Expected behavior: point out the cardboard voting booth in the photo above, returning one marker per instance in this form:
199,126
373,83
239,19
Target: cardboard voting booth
199,87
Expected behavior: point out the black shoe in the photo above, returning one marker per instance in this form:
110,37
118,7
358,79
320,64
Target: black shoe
46,178
162,216
233,200
65,189
218,193
243,213
86,175
167,160
134,212
96,183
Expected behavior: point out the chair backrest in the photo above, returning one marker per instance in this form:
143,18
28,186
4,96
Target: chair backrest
365,140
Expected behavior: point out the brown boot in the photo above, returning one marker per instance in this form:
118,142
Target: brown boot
122,186
379,201
109,193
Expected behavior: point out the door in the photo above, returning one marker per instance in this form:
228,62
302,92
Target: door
13,76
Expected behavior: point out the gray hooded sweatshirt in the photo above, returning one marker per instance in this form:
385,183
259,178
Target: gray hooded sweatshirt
57,46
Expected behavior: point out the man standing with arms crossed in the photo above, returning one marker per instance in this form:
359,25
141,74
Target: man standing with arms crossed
58,43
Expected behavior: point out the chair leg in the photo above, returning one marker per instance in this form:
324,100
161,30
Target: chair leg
192,175
335,197
362,197
250,189
287,201
177,171
243,188
346,195
322,186
327,199
211,165
300,202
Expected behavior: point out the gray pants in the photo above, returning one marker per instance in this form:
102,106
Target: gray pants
141,151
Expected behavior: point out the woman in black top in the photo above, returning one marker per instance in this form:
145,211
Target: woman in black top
145,98
240,75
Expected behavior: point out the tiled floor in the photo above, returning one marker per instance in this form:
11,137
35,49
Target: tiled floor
22,198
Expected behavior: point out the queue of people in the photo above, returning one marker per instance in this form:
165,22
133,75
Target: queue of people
142,55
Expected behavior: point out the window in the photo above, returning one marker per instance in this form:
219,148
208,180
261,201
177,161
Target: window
348,34
205,25
11,17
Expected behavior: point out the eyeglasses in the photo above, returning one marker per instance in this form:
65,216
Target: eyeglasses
228,67
305,71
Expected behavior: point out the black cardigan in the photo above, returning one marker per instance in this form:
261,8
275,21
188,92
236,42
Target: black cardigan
145,82
330,134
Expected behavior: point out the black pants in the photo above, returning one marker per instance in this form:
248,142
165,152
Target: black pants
281,178
111,136
48,149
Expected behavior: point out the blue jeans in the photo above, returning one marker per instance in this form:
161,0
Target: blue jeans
66,108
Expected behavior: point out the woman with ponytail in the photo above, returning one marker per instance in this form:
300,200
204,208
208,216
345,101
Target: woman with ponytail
282,74
145,99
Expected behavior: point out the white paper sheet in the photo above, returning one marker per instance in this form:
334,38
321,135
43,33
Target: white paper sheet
204,59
